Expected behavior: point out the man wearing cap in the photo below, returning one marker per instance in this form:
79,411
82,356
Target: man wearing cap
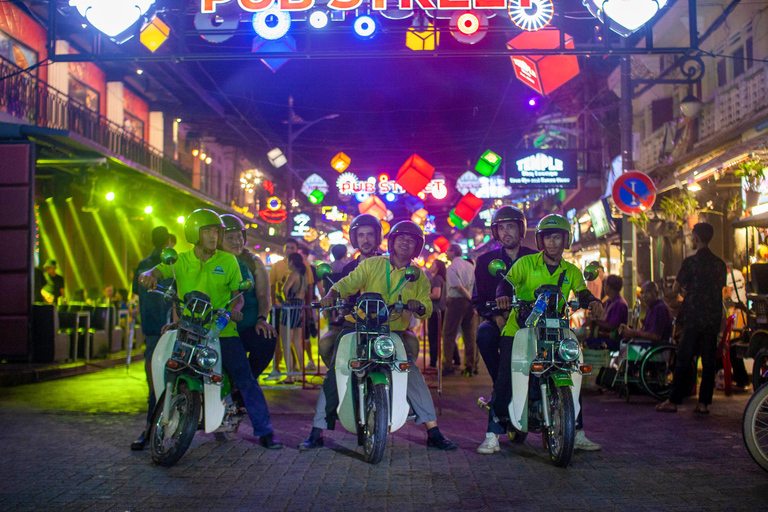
385,275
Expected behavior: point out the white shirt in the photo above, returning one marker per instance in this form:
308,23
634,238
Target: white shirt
739,288
460,273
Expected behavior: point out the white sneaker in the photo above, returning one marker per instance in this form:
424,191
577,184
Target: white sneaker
490,445
582,443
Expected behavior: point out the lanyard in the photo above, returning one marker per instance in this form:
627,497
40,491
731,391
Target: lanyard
402,280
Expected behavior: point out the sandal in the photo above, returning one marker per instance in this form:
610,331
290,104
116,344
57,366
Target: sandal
666,407
700,410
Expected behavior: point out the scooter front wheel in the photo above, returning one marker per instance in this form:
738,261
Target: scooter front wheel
376,424
168,443
562,434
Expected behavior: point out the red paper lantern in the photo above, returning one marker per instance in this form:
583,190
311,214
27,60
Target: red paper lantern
540,73
441,244
414,175
468,207
374,206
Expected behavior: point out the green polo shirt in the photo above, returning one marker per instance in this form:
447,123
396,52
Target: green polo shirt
530,272
216,277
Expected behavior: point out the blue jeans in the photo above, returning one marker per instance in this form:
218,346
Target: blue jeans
260,349
151,342
488,336
236,363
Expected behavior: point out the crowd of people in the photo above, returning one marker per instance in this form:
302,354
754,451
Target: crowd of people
449,298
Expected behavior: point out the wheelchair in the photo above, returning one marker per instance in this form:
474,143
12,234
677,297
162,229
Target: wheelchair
644,367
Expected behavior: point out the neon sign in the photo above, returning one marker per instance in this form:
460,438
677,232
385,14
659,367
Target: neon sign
301,225
555,168
334,213
273,212
243,210
210,6
531,15
312,183
349,184
484,187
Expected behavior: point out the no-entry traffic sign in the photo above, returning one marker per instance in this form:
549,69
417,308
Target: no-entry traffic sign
633,192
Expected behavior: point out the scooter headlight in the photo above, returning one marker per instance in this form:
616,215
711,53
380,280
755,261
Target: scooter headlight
207,357
569,349
384,347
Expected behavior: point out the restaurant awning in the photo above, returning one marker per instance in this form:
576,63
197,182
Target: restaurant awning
755,221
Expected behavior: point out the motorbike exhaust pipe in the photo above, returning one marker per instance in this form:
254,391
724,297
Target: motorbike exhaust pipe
545,405
361,396
167,404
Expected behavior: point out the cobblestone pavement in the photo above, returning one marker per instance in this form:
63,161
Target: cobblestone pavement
64,446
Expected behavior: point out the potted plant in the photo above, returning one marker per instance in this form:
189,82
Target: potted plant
640,221
679,208
753,173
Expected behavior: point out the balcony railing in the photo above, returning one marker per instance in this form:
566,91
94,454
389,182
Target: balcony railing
25,97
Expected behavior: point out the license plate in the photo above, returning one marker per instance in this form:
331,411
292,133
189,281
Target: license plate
553,323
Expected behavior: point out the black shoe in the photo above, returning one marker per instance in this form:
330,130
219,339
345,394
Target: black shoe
467,372
139,443
270,443
441,442
448,371
311,443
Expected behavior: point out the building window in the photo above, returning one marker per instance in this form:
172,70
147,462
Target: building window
83,94
662,111
722,76
133,125
750,55
17,53
738,62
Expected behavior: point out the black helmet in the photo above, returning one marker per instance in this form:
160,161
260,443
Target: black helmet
505,214
364,219
407,227
233,222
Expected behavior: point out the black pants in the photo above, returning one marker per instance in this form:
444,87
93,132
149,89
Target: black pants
502,390
260,349
698,340
433,329
488,336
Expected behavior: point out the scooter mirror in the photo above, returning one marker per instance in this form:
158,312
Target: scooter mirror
169,256
245,285
323,269
497,268
592,271
411,274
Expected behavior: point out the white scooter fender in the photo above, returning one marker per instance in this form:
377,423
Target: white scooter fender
213,406
523,353
398,387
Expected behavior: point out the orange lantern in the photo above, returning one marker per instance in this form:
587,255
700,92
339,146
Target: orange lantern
419,216
468,207
441,244
414,175
373,206
340,162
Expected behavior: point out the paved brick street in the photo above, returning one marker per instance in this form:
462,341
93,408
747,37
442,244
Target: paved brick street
64,446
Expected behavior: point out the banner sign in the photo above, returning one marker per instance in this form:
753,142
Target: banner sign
349,184
491,187
210,6
549,168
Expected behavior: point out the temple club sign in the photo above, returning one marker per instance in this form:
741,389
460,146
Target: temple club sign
210,6
555,168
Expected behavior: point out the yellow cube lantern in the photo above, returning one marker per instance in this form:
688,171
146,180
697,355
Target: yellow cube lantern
419,216
154,34
340,162
422,38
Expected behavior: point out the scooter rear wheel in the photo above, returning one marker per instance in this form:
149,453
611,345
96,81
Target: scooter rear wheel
754,425
184,418
376,424
560,441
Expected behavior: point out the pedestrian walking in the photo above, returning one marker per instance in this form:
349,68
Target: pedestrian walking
459,311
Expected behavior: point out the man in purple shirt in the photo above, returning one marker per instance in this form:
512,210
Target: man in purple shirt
657,325
615,313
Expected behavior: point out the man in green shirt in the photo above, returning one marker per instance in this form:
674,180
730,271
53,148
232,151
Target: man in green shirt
553,236
385,275
217,274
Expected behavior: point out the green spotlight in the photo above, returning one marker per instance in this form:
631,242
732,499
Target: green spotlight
85,243
110,249
65,243
129,229
148,210
110,196
180,219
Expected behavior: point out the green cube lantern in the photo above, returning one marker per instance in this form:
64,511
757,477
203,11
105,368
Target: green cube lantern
316,197
456,221
488,164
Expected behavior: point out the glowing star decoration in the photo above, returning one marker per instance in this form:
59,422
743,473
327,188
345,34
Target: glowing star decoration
414,174
469,27
441,244
626,16
488,163
373,206
468,207
154,34
316,197
112,17
340,162
530,15
543,74
421,37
